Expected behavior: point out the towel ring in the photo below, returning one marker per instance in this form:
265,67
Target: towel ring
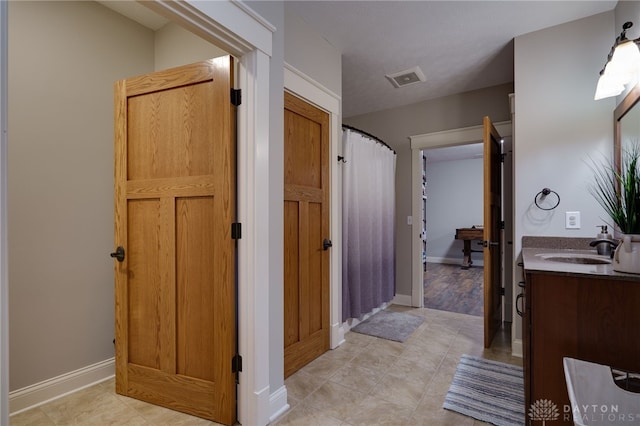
542,194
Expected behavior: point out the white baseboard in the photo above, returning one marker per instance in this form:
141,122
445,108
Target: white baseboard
352,322
452,260
263,404
516,348
57,387
337,335
278,403
402,300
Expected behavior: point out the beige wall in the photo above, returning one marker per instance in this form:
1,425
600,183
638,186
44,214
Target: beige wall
63,60
60,183
175,46
558,126
311,53
394,126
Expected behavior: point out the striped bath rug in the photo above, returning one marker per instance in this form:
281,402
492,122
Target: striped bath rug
486,390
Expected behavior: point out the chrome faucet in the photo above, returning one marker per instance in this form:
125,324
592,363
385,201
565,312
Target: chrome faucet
607,247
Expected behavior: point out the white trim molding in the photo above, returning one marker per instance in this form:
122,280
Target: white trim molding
402,299
417,274
57,387
517,348
253,207
278,403
306,87
231,25
452,260
462,136
352,322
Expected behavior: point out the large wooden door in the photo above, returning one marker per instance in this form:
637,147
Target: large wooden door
306,227
174,208
492,231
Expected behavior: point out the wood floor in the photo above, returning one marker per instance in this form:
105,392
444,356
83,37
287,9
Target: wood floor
451,288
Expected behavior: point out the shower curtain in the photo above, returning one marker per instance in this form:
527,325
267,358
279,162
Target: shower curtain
368,224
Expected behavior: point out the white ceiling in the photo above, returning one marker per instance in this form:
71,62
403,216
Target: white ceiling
460,45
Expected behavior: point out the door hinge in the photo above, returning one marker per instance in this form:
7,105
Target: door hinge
501,291
502,157
502,224
486,243
236,231
236,97
236,364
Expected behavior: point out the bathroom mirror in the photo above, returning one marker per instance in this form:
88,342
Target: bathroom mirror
626,123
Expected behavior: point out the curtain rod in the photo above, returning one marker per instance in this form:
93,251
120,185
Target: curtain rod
380,141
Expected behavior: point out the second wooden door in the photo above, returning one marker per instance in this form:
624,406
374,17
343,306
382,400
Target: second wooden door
492,231
306,233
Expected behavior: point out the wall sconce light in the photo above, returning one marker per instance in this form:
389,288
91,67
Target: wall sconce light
623,64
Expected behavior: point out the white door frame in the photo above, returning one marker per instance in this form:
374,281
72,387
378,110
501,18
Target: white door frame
239,30
455,137
303,86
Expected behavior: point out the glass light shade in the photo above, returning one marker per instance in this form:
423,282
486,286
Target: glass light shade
625,62
608,85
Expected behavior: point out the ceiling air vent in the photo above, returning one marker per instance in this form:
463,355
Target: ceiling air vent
407,77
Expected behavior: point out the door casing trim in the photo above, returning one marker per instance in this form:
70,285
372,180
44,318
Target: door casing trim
236,28
305,87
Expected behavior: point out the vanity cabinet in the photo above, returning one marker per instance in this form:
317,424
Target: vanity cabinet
591,318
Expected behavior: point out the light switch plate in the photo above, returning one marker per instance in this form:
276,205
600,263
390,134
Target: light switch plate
572,220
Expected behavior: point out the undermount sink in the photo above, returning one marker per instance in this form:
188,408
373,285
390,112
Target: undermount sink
582,259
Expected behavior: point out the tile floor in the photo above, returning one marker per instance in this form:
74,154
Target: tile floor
366,381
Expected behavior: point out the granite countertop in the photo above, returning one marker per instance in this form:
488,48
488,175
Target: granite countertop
536,250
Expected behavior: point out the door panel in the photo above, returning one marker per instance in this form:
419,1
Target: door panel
195,250
316,254
306,225
175,198
144,288
291,270
492,231
169,131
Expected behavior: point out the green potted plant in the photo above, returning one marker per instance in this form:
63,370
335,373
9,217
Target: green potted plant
618,192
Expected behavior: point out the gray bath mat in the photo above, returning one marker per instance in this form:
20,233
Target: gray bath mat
389,325
489,391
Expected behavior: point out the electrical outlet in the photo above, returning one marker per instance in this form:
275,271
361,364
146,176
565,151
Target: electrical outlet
572,220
